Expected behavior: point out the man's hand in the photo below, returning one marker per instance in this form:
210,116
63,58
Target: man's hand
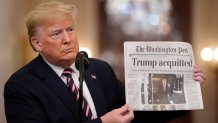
120,115
198,74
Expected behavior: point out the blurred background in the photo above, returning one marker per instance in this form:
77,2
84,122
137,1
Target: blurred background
103,26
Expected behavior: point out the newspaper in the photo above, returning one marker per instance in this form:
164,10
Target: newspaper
159,76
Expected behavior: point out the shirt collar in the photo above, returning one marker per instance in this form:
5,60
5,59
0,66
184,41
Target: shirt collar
59,70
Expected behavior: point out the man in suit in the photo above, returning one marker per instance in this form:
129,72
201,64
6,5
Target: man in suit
41,91
162,96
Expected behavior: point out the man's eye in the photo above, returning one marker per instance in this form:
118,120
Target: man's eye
55,35
70,29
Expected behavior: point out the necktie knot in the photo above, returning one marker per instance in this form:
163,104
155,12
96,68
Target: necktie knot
67,72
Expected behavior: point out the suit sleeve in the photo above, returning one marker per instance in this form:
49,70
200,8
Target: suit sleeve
97,120
20,106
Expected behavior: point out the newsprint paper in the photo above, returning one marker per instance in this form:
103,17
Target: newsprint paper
159,76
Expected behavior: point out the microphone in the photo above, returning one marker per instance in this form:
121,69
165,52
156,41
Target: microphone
82,59
81,64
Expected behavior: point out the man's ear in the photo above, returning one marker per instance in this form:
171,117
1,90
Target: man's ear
36,43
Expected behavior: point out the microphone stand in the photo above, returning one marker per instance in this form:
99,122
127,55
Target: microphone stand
81,78
81,64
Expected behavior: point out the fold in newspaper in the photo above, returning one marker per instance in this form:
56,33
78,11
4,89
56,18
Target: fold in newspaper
159,76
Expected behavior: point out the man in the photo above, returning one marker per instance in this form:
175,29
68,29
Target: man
41,91
38,92
162,96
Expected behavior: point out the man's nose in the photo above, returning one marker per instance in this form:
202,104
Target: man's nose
66,37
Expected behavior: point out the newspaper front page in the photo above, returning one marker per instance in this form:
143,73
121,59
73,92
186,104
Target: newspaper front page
159,76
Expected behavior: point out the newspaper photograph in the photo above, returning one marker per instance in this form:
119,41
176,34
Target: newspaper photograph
159,76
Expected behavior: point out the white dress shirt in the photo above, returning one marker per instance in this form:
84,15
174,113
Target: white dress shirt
75,76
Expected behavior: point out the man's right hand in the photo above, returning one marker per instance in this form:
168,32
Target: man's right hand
120,115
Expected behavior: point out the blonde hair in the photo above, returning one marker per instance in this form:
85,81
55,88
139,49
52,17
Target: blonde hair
46,11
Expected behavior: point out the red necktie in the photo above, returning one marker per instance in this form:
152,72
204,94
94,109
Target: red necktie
70,83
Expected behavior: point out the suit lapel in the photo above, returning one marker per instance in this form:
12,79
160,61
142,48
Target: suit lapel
57,86
54,83
93,84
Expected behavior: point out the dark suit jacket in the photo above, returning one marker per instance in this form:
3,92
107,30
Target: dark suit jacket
35,94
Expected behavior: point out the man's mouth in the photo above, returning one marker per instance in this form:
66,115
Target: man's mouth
68,50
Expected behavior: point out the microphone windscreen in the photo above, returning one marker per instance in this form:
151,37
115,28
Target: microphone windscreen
82,57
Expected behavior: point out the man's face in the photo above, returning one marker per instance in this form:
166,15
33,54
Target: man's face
57,41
